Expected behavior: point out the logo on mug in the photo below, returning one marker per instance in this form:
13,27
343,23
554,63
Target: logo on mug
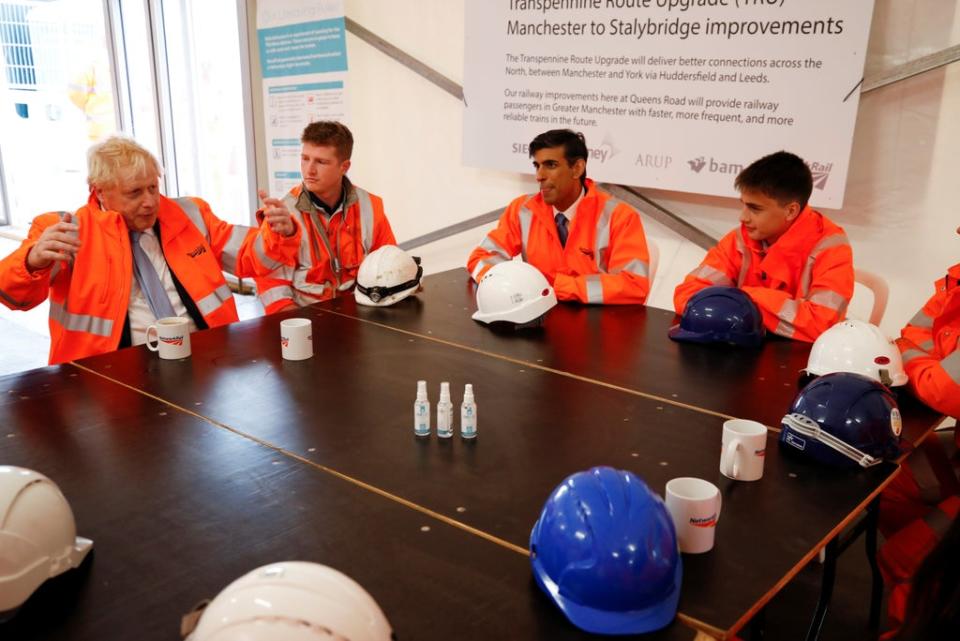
760,452
707,521
172,340
285,341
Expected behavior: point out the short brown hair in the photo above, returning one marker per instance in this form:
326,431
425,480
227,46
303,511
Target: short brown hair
330,133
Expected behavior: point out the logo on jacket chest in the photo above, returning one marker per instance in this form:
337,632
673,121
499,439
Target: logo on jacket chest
200,249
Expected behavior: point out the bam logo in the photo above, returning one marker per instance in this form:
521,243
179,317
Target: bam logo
196,252
697,164
821,173
714,166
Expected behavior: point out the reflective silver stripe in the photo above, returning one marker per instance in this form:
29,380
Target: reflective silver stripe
806,277
260,251
228,258
525,217
272,295
951,365
787,315
938,521
635,266
911,354
366,218
594,288
926,345
13,303
920,319
713,275
745,259
491,245
484,263
602,241
212,301
829,299
192,210
80,322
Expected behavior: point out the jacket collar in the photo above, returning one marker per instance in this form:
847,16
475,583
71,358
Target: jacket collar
588,198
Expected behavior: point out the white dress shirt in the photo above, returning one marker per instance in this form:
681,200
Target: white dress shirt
571,210
138,308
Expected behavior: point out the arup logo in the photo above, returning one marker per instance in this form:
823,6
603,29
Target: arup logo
697,164
172,340
821,172
657,161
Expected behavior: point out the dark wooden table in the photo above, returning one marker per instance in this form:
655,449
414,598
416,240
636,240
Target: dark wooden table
624,346
178,507
349,410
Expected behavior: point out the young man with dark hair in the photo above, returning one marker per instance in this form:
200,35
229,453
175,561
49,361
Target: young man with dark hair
589,245
341,223
793,262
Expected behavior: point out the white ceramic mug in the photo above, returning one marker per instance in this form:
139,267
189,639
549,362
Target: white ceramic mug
743,449
172,337
694,506
296,339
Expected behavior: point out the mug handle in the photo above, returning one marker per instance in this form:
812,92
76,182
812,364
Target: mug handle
150,345
719,505
730,457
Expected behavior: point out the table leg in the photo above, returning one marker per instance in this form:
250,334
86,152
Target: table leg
826,590
876,587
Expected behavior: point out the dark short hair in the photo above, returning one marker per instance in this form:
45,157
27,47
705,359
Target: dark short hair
782,176
573,143
330,133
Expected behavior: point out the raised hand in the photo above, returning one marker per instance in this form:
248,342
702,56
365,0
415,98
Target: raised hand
277,215
57,242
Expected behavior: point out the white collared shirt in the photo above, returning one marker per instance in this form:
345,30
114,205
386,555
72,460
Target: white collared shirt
138,309
571,210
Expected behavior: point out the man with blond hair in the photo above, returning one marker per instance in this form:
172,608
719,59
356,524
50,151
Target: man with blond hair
341,223
131,256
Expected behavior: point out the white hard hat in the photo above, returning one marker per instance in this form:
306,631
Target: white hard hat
515,292
38,536
858,347
387,275
293,601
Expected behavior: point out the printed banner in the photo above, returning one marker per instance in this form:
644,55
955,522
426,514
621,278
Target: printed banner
671,94
303,61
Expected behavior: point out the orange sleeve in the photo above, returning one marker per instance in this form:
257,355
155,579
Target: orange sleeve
382,232
248,251
830,291
502,243
627,279
934,377
720,266
19,287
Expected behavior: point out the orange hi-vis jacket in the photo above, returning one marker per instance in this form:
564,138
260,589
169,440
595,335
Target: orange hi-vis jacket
931,349
89,297
802,283
605,260
330,250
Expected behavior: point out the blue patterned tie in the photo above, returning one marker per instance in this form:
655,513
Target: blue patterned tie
149,281
561,228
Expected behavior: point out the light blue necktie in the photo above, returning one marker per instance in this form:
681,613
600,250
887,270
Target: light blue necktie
149,281
561,228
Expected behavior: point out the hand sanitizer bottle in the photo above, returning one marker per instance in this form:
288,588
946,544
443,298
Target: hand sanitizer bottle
444,412
468,414
421,411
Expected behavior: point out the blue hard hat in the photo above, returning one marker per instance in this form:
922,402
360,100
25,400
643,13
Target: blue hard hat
605,551
843,420
720,315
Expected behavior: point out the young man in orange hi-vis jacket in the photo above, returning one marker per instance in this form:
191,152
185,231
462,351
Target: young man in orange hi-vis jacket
589,245
341,223
792,261
131,256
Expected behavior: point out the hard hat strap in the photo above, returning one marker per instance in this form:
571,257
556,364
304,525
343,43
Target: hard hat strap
377,293
811,429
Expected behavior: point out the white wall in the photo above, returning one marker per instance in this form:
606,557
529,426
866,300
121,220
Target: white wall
902,197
